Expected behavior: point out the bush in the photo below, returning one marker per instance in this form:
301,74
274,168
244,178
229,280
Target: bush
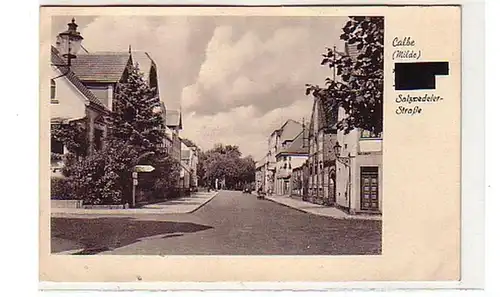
103,177
60,189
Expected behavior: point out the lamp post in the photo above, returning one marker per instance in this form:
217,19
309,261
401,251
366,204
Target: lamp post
68,44
346,161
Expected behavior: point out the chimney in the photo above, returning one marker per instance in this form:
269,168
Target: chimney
69,41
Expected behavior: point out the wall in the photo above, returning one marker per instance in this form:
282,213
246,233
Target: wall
71,103
370,145
291,162
298,161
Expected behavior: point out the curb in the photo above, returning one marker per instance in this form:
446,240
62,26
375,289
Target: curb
326,216
131,211
203,204
289,206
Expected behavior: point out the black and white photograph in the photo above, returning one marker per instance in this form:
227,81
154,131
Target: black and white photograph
216,135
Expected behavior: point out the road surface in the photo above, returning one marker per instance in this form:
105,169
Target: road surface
232,223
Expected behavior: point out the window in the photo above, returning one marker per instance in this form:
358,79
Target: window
53,91
56,146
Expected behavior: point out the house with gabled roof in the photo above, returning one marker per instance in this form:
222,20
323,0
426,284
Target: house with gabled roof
72,102
85,91
280,137
292,154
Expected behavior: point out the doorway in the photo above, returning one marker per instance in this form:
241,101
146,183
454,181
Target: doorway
369,188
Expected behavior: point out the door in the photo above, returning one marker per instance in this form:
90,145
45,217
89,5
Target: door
369,188
331,186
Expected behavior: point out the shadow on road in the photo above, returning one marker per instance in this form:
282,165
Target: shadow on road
97,235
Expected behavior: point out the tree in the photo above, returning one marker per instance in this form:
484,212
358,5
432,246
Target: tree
230,150
359,91
224,162
136,134
136,118
201,169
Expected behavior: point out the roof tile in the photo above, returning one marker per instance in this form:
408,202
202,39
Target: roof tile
107,66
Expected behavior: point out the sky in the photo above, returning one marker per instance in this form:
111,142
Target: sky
235,78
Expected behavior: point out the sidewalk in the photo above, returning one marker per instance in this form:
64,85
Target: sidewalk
174,206
320,210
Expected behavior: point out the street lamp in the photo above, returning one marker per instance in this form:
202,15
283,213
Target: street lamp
68,44
346,161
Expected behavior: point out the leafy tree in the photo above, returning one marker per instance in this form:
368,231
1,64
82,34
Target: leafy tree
229,150
359,91
201,169
224,162
247,170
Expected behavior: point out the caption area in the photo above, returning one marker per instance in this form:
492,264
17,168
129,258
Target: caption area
407,104
405,48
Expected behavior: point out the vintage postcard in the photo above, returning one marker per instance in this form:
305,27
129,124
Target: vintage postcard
250,143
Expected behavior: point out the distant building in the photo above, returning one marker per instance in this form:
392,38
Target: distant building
298,179
189,157
277,140
260,174
291,154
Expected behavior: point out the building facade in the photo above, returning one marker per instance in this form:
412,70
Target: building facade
278,140
260,174
359,181
291,154
320,184
189,157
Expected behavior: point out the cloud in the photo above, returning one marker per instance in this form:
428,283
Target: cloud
177,44
242,126
264,70
237,78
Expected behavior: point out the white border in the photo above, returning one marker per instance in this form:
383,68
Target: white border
472,161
